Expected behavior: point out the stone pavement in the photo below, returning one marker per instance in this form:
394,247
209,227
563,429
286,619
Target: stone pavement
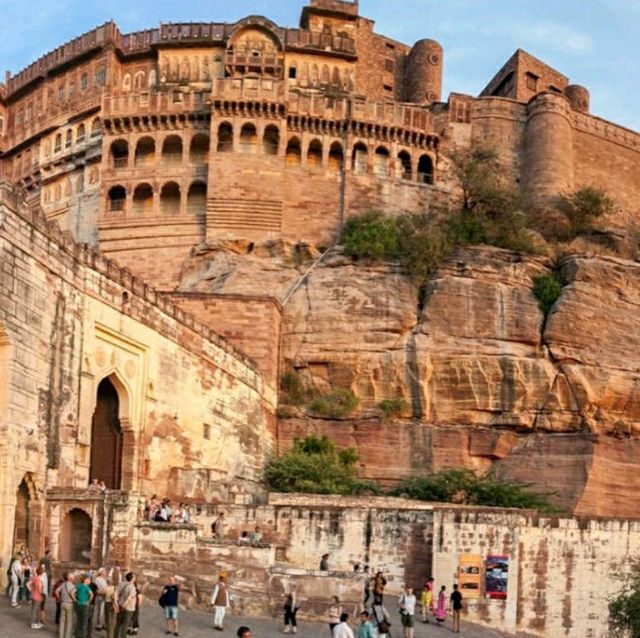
14,623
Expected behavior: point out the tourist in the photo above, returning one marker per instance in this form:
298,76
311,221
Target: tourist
379,583
244,632
83,598
334,612
407,602
125,598
135,618
15,576
324,563
94,486
108,594
367,586
291,606
365,630
102,486
244,538
92,605
56,597
221,601
101,583
45,561
342,629
380,619
169,602
67,595
25,578
426,600
441,609
456,607
218,527
44,579
256,536
37,598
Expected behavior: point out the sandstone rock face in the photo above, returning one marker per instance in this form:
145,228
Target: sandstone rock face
483,379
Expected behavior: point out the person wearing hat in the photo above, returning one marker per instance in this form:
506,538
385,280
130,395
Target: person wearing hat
221,600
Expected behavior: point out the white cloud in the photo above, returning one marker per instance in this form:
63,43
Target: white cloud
552,35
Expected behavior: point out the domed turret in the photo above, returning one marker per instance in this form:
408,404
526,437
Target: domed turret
578,97
424,72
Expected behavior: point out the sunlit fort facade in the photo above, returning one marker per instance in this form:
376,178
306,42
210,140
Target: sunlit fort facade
121,153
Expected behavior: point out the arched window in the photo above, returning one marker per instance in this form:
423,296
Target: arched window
199,149
84,82
271,140
75,538
101,76
170,199
68,141
80,134
335,77
138,80
248,138
142,199
314,154
117,197
152,79
404,170
425,169
57,145
172,150
145,151
96,127
381,163
326,74
119,153
293,154
197,199
225,138
359,159
336,157
22,523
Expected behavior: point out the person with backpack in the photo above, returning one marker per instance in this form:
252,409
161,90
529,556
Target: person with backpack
380,619
126,597
169,602
407,602
66,593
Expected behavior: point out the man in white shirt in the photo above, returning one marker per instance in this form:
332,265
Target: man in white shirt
407,604
342,629
221,600
15,574
101,583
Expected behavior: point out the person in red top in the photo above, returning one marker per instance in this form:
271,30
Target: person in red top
37,596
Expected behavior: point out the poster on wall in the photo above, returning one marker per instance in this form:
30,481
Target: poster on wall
497,577
469,566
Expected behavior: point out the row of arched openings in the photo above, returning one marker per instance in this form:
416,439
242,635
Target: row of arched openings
170,198
172,150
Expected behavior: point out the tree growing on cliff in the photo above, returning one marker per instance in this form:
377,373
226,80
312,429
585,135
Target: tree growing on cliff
466,487
624,609
315,466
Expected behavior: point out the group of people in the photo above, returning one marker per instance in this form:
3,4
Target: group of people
28,581
97,486
162,511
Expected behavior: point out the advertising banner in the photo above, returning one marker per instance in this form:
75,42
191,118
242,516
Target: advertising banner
496,577
469,567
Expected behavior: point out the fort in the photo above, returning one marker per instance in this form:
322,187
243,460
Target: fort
162,195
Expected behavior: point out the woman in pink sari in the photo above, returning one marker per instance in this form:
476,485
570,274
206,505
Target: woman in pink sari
441,609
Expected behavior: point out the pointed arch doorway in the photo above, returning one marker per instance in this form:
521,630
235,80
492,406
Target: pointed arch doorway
107,437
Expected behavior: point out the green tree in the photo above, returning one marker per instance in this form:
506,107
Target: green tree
465,486
547,290
624,609
337,404
581,209
315,466
372,235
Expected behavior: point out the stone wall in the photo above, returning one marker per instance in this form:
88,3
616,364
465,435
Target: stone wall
70,318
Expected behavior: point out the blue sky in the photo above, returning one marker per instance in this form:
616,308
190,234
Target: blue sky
593,42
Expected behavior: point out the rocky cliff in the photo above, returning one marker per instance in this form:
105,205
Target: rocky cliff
479,378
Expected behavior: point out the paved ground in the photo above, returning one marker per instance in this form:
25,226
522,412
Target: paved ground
14,623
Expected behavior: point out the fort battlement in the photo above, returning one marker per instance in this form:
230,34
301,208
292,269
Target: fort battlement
190,132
